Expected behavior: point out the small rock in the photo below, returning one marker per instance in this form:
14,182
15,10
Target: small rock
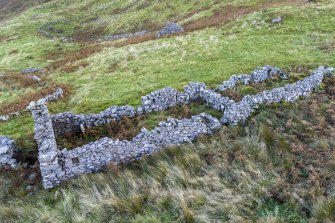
8,151
277,20
32,177
29,188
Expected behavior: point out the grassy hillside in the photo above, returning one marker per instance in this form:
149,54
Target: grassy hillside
277,168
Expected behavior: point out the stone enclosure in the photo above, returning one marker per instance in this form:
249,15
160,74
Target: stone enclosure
58,165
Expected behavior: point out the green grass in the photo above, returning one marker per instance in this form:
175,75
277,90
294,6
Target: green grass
242,174
121,75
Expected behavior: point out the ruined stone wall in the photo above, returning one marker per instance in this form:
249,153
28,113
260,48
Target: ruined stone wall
169,29
57,165
48,154
161,100
8,152
240,111
93,156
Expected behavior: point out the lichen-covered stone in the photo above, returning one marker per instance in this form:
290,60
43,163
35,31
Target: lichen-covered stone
259,75
31,70
170,28
57,165
240,111
8,150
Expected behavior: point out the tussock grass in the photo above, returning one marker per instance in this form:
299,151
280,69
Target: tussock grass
250,173
277,167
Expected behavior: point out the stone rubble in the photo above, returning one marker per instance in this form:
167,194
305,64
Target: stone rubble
35,78
125,35
66,39
32,70
5,118
48,26
259,75
58,165
170,28
8,150
277,20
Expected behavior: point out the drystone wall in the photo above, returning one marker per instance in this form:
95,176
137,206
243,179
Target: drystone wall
156,101
161,100
169,29
58,165
48,29
240,111
259,75
32,70
8,151
125,35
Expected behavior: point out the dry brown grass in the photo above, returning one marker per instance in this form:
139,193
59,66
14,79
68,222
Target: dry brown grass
21,103
75,56
88,34
17,80
135,40
3,38
73,67
124,129
219,18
